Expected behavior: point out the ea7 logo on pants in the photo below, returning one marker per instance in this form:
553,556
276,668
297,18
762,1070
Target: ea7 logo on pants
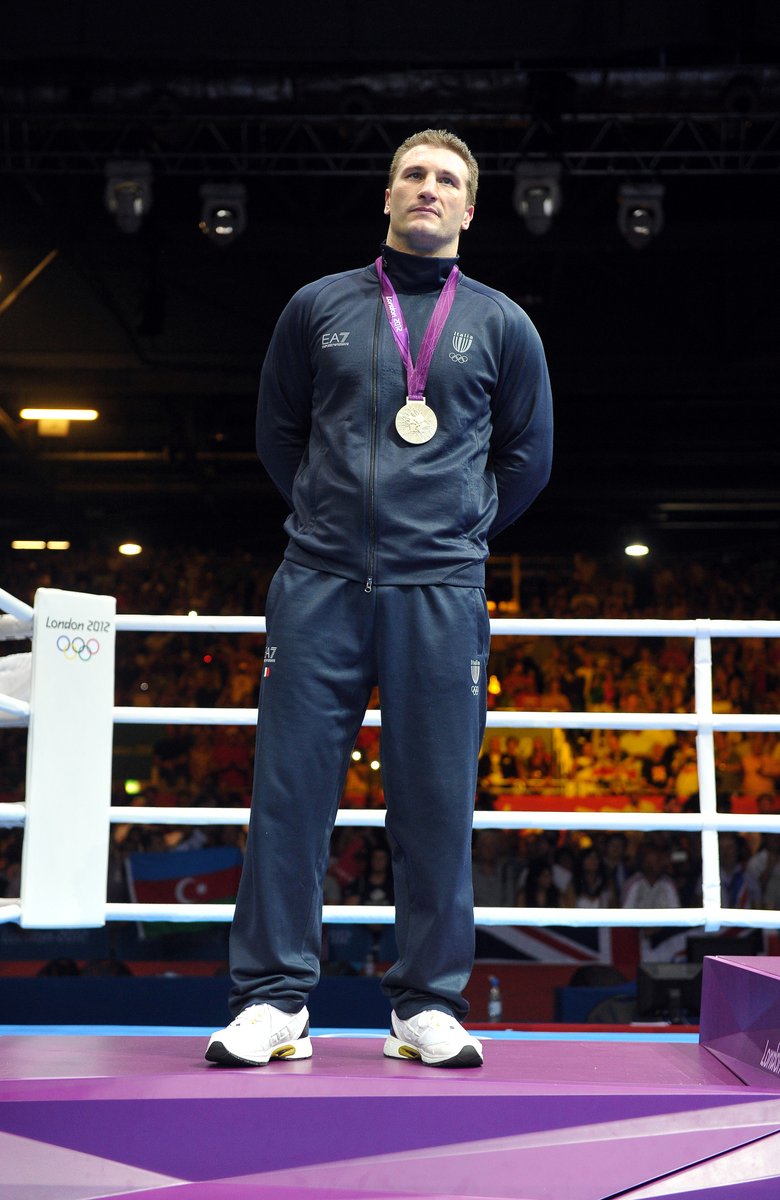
335,339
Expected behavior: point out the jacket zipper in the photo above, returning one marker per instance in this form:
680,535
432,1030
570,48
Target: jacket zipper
370,558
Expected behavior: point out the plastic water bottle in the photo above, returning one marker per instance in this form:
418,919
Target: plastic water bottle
495,1005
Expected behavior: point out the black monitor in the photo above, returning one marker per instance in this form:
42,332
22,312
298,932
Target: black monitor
669,992
701,945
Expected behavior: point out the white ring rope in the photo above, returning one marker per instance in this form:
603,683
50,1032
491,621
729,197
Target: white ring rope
703,721
17,708
17,608
483,819
383,914
502,718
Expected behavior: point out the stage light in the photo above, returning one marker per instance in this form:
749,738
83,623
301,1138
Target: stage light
637,550
640,213
223,212
55,422
38,544
59,414
537,196
128,193
130,549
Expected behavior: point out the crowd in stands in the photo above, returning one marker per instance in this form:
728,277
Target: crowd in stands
212,765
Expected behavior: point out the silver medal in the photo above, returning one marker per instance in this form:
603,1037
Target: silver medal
415,422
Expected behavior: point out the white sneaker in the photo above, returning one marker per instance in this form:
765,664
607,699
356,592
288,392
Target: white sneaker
258,1033
435,1038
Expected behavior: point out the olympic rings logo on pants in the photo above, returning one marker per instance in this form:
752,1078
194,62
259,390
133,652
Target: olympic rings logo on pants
77,647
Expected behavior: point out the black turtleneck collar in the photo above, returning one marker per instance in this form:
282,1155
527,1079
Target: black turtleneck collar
411,273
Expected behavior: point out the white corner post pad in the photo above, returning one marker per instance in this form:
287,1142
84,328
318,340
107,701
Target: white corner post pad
68,795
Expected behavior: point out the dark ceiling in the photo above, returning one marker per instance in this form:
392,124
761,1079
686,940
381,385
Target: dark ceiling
664,361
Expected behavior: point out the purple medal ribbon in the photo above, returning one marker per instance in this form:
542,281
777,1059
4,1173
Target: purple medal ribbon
417,374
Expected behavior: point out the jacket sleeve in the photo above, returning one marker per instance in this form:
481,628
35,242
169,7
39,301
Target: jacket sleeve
285,399
521,442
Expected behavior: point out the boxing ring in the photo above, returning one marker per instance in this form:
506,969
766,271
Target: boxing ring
585,1116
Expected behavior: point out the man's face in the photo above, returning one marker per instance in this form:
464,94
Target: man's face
427,203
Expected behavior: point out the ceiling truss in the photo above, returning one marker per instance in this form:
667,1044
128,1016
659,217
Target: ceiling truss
644,144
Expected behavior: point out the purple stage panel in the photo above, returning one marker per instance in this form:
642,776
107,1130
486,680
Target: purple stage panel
580,1120
748,1173
589,1161
247,1189
34,1170
740,1017
112,1067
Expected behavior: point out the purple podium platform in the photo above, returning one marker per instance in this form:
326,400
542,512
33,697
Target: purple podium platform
740,1016
547,1118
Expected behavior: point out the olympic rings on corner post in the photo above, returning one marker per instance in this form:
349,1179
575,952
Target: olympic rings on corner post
76,647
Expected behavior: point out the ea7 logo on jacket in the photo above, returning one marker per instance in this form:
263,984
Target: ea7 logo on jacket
335,339
461,342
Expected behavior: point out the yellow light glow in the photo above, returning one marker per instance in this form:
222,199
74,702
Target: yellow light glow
133,787
59,414
637,550
130,548
374,764
494,686
38,544
356,756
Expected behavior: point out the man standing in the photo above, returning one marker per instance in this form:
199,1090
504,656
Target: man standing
405,416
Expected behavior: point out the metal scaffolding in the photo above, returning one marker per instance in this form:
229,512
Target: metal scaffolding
635,144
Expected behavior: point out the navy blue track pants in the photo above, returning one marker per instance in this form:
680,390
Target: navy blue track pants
328,643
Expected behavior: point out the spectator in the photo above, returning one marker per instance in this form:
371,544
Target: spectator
656,770
510,761
686,773
738,888
494,870
489,768
764,866
540,890
617,863
538,767
760,767
591,882
651,885
374,885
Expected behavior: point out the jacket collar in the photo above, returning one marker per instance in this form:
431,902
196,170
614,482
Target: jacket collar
411,273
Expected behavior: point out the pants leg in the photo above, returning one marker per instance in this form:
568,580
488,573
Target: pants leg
432,645
318,676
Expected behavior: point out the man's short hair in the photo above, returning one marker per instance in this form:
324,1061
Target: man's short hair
445,140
